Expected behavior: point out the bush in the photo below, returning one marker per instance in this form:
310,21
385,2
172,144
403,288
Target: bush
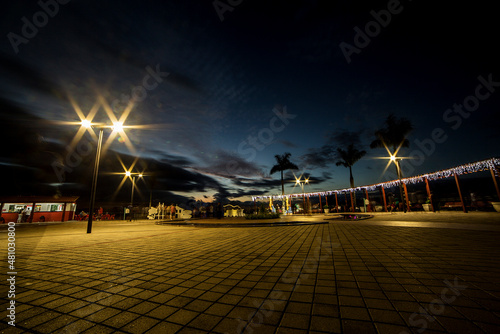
263,216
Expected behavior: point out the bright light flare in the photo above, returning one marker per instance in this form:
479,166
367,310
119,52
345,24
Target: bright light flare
392,158
299,181
128,174
86,123
117,126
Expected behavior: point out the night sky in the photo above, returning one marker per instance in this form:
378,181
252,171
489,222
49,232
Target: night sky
220,87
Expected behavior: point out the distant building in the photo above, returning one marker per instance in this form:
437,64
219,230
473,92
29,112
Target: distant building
233,211
40,208
162,212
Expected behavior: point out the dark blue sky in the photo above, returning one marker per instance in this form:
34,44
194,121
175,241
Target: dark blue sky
225,96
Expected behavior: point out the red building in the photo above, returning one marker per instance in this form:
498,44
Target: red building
46,208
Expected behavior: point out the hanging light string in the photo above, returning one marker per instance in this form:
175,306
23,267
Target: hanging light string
469,168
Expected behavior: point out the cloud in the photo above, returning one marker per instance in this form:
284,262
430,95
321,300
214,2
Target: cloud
287,143
327,175
229,165
319,157
345,138
265,184
326,155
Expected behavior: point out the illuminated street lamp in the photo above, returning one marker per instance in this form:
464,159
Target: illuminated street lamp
128,173
301,182
397,162
116,127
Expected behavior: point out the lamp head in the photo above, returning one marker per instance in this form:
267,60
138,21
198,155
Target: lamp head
86,123
117,126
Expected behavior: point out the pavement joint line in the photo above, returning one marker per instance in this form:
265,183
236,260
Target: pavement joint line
98,243
228,225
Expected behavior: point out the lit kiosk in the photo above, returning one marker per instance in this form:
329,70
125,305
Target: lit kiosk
46,208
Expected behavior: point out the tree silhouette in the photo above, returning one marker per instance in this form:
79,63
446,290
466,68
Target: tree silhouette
348,158
393,135
283,163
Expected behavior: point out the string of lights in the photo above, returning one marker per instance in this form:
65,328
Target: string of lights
469,168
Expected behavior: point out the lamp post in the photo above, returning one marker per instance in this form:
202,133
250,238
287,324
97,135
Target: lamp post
127,173
301,182
397,161
117,126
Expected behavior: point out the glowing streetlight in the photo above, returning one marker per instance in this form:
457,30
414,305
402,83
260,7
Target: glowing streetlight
117,127
86,123
397,162
118,130
133,186
301,182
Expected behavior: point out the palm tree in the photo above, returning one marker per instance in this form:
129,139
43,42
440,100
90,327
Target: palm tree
348,158
393,135
283,163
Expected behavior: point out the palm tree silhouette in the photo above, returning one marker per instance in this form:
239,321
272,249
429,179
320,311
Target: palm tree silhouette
348,158
393,135
283,163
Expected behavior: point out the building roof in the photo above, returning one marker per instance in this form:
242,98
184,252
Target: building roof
232,206
38,199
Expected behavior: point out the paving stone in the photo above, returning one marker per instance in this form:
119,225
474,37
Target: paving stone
356,326
219,309
205,322
121,319
99,329
55,324
293,320
140,325
325,324
182,317
164,327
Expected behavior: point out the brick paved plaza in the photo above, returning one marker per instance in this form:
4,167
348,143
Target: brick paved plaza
397,273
